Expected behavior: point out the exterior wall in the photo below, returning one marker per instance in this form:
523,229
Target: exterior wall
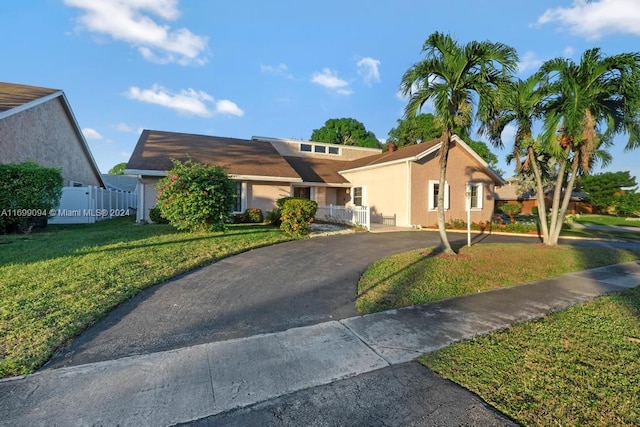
292,148
386,190
45,135
263,195
460,171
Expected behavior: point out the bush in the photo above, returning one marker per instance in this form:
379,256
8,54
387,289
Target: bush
296,215
28,192
274,216
627,204
196,197
254,215
511,209
155,214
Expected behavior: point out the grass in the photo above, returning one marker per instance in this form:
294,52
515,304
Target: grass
423,276
575,367
56,282
606,220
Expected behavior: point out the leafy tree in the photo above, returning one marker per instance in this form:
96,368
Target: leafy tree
414,129
627,204
588,103
426,127
345,131
602,188
453,75
511,209
196,197
118,169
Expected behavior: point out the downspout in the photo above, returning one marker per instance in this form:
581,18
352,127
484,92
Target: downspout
140,207
408,207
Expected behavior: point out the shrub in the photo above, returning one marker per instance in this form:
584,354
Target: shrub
296,215
155,214
511,209
254,215
627,204
28,192
196,197
274,216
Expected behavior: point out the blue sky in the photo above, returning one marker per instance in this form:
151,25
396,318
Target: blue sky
278,68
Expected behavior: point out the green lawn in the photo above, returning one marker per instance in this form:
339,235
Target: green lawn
606,220
56,282
575,367
422,276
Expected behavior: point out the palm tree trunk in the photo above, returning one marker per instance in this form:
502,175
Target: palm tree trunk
555,233
444,157
555,207
542,206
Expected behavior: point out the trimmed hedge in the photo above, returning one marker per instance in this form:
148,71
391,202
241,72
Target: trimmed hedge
28,192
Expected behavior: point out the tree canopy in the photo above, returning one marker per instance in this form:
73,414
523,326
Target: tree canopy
118,169
345,131
602,188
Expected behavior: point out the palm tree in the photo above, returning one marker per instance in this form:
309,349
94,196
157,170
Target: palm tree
588,104
453,76
520,104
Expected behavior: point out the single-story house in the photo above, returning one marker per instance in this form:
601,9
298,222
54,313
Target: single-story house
402,183
38,125
510,193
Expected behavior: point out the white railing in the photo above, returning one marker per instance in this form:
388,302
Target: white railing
354,215
86,205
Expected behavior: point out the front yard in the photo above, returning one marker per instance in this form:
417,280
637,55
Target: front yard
56,282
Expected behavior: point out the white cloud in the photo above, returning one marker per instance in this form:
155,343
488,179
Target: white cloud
129,21
123,127
187,101
280,70
568,52
529,62
91,133
329,79
368,67
595,19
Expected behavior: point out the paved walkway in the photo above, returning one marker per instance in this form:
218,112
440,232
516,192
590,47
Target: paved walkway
200,381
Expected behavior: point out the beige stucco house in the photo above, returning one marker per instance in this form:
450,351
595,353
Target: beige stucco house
399,183
37,124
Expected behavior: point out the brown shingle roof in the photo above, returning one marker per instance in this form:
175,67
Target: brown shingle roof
313,169
14,95
403,153
155,149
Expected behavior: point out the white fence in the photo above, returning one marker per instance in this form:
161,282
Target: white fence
355,215
86,205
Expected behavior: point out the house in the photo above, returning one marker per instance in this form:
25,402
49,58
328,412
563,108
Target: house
37,124
510,193
402,183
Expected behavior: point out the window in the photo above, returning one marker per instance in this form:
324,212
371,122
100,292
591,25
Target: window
302,192
474,189
238,202
320,149
334,150
359,196
305,147
434,189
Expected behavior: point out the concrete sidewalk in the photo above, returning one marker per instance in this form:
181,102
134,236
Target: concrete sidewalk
200,381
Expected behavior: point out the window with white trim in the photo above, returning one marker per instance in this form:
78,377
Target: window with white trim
359,196
476,195
434,189
237,208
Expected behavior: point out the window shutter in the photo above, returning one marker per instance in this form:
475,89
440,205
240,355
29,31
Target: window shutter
480,196
446,195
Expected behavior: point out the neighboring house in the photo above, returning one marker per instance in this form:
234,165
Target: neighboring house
510,193
37,124
402,183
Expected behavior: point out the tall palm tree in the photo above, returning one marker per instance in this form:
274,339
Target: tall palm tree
520,104
453,76
589,103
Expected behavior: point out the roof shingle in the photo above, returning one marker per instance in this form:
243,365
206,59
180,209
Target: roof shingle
14,95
